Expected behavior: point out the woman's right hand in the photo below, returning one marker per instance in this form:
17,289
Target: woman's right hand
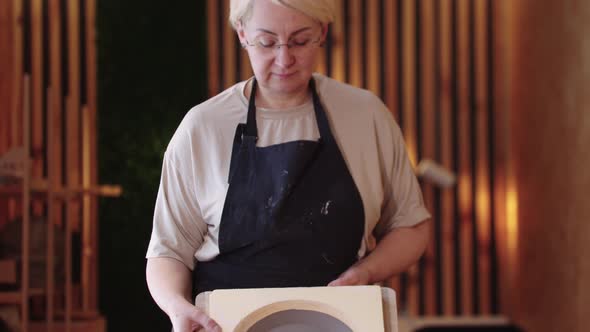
192,319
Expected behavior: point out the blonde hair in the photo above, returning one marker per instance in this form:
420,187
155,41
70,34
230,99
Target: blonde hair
320,10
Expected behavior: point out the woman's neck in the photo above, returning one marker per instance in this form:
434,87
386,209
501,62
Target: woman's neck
267,99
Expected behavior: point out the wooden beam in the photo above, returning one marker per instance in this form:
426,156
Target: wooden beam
26,212
213,47
428,97
447,208
73,146
355,66
482,172
409,124
391,56
228,49
465,171
90,168
37,80
338,42
372,38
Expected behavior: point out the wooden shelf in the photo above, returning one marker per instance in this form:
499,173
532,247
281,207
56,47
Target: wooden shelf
41,187
14,297
94,325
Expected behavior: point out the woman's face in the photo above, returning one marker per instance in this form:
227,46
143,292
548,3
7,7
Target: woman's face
283,70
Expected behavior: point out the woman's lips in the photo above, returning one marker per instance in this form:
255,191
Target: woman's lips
284,75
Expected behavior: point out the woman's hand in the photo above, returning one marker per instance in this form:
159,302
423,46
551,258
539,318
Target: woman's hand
192,319
354,276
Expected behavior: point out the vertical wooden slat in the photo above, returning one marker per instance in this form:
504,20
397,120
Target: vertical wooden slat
373,46
37,80
90,245
87,253
338,42
51,211
322,64
428,139
7,87
390,76
465,174
73,158
17,123
354,39
409,78
391,53
482,195
447,213
54,144
409,128
213,47
500,11
26,200
229,54
8,90
246,68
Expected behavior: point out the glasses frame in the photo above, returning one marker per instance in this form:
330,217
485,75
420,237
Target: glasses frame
289,44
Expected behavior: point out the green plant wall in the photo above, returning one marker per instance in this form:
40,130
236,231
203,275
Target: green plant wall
151,70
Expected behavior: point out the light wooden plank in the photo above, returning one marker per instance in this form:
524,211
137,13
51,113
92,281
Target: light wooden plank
338,43
355,66
465,175
391,55
373,47
213,48
228,49
447,212
482,171
428,139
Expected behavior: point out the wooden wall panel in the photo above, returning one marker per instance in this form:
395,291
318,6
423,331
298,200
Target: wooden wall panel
550,63
51,112
433,64
445,151
427,101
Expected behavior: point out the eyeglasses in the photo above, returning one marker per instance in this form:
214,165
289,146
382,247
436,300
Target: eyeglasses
298,45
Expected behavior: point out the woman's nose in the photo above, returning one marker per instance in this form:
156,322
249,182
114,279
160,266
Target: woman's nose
284,56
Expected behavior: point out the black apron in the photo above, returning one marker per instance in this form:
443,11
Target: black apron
293,216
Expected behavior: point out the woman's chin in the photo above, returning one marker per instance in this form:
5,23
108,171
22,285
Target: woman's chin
287,83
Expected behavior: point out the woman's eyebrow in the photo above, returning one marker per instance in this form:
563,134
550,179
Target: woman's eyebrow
275,34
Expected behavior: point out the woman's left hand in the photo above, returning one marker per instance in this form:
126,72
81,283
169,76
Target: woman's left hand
356,275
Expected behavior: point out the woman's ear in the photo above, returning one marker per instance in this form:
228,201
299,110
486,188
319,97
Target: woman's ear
241,33
324,34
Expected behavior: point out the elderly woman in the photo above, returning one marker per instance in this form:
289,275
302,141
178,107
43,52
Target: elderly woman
287,179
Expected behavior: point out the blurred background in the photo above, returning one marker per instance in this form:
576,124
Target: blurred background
494,91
